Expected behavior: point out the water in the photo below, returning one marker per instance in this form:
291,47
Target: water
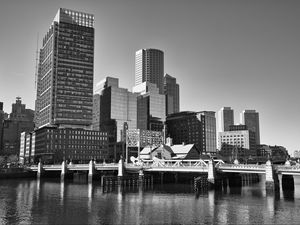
52,202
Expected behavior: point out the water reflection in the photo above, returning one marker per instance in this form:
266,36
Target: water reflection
54,202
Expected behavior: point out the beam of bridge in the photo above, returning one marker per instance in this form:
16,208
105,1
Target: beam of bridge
288,170
77,167
241,168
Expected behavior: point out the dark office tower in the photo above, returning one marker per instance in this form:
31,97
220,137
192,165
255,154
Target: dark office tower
1,106
65,75
172,94
251,119
197,128
226,119
149,66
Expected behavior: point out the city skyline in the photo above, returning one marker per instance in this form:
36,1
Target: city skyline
227,53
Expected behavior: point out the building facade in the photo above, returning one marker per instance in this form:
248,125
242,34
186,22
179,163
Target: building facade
172,94
96,112
149,67
251,119
238,144
151,107
65,74
53,145
197,128
117,106
20,120
225,118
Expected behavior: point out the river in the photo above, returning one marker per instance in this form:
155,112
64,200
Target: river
49,201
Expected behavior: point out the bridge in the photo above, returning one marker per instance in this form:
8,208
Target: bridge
210,167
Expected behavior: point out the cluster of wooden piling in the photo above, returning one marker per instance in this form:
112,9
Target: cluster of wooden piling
126,181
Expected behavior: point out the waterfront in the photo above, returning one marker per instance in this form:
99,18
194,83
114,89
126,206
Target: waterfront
50,201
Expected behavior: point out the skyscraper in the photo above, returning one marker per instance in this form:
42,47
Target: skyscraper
251,119
151,111
65,75
172,94
226,118
149,66
117,106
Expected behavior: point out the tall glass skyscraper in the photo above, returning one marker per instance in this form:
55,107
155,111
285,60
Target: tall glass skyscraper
117,106
65,75
150,107
149,66
251,119
172,94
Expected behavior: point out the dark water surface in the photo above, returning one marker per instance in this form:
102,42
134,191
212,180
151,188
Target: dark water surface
27,201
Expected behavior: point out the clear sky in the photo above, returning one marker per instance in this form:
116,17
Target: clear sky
238,53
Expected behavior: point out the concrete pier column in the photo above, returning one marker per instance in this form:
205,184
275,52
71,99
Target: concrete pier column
102,180
288,182
121,168
141,176
40,170
91,170
211,173
272,183
63,171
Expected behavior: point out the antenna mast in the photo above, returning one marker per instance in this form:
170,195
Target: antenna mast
36,61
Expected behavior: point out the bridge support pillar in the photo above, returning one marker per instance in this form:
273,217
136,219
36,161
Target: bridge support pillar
63,171
211,178
288,182
121,168
141,176
40,170
272,183
91,171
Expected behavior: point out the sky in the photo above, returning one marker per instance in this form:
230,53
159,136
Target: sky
238,53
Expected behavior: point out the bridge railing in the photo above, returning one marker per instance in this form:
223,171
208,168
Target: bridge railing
288,168
106,165
174,163
242,166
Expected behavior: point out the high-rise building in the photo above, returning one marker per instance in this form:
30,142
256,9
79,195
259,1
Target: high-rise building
117,106
64,104
251,119
149,66
172,94
65,74
151,111
226,118
197,128
96,112
20,120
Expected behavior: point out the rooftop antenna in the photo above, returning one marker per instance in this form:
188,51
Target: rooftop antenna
36,61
